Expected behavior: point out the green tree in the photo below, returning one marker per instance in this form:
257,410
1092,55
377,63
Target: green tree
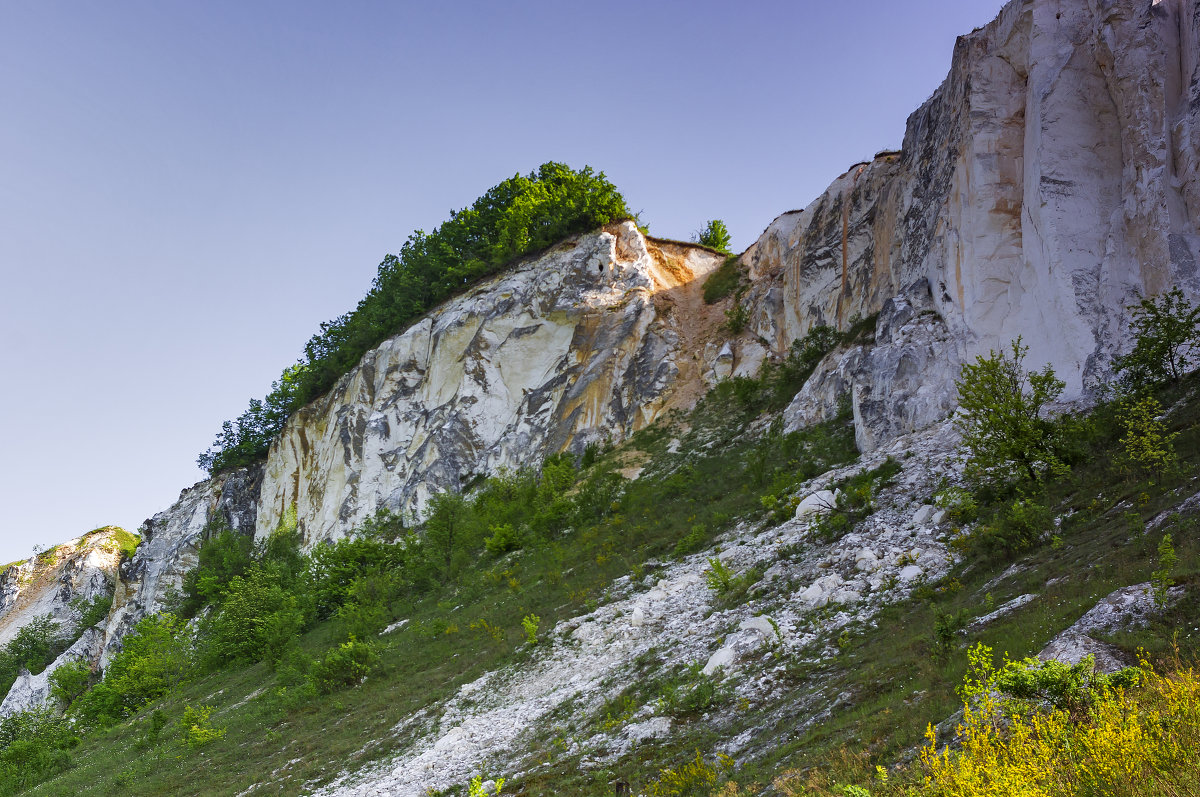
1167,342
715,235
1001,418
1148,446
447,529
521,215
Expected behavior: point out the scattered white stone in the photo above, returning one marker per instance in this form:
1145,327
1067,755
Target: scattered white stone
396,626
910,572
821,502
722,658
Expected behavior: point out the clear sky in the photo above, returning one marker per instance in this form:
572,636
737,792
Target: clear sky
188,189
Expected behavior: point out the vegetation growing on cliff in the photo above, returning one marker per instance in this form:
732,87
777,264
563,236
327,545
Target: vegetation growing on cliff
521,215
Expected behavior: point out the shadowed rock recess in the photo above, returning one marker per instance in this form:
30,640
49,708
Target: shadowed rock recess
1049,182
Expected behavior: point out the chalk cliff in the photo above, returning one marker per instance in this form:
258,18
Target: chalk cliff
1049,181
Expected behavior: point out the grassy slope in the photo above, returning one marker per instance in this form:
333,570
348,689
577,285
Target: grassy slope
886,684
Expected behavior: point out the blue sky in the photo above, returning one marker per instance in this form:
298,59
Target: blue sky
188,189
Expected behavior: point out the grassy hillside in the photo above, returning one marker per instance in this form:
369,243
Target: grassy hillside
872,694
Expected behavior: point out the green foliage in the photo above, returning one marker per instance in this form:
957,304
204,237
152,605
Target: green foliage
367,608
1029,682
91,612
333,569
530,623
959,503
256,618
127,543
1148,446
1017,527
521,215
450,529
1160,579
1004,433
946,629
778,382
196,726
736,318
693,541
725,281
344,666
690,693
33,648
1167,342
503,539
729,586
70,680
224,555
153,659
715,235
475,787
695,778
33,747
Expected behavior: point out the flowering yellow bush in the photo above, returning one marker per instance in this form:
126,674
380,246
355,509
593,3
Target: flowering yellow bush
1144,740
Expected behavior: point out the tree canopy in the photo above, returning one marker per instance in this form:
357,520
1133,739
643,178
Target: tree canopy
521,215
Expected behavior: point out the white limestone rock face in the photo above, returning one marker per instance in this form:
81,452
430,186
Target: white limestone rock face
579,345
82,569
170,544
1047,183
33,691
1125,608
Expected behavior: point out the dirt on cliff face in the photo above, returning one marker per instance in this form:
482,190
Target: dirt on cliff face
679,273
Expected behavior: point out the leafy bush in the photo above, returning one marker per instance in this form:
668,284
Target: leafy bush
344,666
521,215
224,555
196,726
695,778
153,659
715,235
1016,527
33,748
1148,446
70,680
530,623
255,620
33,648
959,503
1000,417
1069,731
91,612
726,280
736,318
691,693
503,539
1160,579
730,587
367,608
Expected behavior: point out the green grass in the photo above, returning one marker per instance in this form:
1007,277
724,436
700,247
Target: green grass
724,281
874,699
718,473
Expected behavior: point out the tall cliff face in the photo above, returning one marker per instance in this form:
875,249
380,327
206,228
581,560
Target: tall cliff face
586,343
1047,183
1050,180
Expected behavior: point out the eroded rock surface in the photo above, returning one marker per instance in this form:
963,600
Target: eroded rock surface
1047,183
587,343
170,544
77,571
